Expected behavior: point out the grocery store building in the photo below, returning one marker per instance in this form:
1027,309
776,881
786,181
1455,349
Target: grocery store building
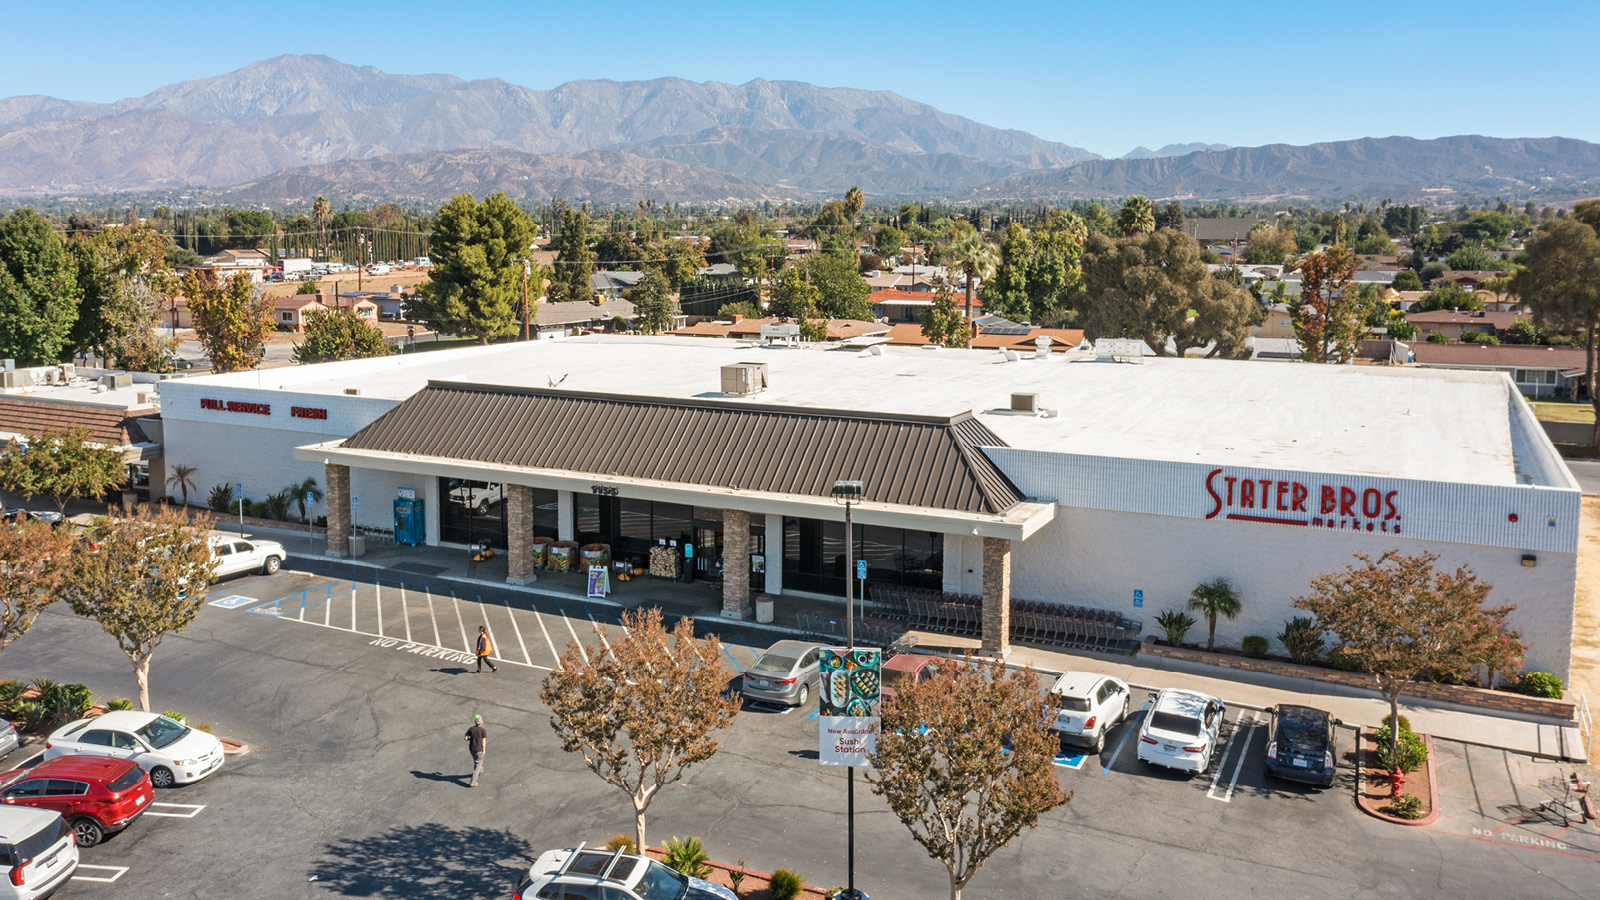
1068,478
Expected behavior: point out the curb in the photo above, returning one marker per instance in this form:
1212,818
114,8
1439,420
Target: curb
1433,789
231,747
804,888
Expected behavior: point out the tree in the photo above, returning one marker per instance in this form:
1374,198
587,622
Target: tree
1268,245
33,565
1374,245
306,488
943,323
1005,293
1560,282
1138,216
322,212
888,241
231,319
973,257
1399,618
475,289
569,276
1406,280
1212,599
147,579
38,290
1471,257
1170,216
335,334
1523,331
841,292
643,712
1328,319
853,203
652,303
60,464
125,285
966,762
677,260
1448,295
182,478
1154,287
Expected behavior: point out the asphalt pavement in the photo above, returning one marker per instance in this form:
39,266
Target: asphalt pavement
1587,472
355,785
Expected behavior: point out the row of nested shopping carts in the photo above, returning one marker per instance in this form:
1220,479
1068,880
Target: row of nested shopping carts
1032,621
871,631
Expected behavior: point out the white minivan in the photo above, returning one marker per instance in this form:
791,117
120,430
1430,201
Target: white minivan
37,852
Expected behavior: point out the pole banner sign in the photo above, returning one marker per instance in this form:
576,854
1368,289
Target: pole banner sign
849,682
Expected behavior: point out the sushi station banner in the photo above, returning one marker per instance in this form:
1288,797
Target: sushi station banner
848,717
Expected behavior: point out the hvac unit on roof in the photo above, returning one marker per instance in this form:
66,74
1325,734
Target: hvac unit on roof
1027,403
744,379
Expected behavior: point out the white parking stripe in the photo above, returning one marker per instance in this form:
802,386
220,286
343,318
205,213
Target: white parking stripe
115,872
512,615
193,809
1222,763
405,609
574,634
327,608
600,630
437,641
456,602
553,651
377,603
353,599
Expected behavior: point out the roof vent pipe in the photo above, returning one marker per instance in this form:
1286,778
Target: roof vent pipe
1041,347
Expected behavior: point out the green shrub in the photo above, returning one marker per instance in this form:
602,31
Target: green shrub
27,713
1435,337
1344,662
45,685
1405,723
277,506
1539,684
736,878
1302,638
1406,806
1254,646
1407,755
1176,624
11,689
65,702
687,856
622,842
118,704
176,717
221,498
784,885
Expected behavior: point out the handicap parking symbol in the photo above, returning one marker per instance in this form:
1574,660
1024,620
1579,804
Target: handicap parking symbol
233,601
1070,760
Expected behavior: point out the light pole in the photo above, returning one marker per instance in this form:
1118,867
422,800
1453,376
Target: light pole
527,269
849,492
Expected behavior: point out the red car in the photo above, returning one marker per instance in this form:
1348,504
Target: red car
97,795
908,669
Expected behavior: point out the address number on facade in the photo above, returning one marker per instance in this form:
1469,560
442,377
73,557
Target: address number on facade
602,490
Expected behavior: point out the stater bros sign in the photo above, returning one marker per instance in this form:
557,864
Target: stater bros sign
1282,501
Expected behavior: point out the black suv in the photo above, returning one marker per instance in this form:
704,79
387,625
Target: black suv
1300,745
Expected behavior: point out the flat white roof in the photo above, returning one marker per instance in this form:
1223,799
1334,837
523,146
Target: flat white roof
1445,425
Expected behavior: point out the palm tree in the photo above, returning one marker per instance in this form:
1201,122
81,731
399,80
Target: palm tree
321,211
1138,216
975,257
182,478
301,491
1212,599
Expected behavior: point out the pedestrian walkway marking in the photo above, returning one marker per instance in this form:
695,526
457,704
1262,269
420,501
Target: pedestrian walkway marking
1124,742
1070,760
180,810
113,873
234,601
1244,750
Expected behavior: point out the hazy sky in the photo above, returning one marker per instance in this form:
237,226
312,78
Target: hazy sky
1106,76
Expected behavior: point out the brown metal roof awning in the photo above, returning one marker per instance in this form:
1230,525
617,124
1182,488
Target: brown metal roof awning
930,462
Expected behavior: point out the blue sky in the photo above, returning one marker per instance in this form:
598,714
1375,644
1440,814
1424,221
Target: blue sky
1106,76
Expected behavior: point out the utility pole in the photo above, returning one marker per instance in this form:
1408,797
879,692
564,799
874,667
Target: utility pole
359,265
527,266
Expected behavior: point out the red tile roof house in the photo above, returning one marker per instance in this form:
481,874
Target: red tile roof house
907,306
1452,324
1537,370
289,313
1469,278
743,329
908,334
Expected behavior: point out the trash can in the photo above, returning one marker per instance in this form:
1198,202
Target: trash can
764,609
358,545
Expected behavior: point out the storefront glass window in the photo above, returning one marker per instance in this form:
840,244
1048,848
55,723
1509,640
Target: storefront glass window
814,557
472,512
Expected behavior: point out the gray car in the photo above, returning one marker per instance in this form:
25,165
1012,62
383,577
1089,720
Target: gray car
8,737
784,674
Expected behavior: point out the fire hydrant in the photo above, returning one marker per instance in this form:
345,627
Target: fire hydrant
1396,779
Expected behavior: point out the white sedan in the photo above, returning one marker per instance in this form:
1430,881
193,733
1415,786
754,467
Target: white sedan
235,555
172,752
1180,730
1087,706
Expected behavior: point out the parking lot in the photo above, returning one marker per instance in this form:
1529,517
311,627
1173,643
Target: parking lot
353,687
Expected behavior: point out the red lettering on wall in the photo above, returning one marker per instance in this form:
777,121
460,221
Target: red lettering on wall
1230,482
1341,507
238,406
1330,500
1247,493
1266,492
1390,512
1347,502
1371,503
1283,488
1299,497
307,412
1213,492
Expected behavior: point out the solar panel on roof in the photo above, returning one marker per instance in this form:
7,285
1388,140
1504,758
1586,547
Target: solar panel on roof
1005,330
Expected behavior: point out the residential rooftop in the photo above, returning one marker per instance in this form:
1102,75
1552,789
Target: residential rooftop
1464,426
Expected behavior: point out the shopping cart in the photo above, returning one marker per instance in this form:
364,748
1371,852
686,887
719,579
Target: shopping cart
1566,795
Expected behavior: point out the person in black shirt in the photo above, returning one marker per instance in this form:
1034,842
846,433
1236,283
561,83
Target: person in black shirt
477,740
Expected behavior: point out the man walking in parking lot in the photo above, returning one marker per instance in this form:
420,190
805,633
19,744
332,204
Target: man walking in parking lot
484,649
477,740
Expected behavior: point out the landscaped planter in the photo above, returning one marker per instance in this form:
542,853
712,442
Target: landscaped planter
1453,693
1373,789
754,886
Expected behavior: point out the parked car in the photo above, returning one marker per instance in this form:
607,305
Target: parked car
784,674
8,737
235,555
612,875
172,752
906,670
1300,744
97,795
1087,706
37,852
1180,730
178,362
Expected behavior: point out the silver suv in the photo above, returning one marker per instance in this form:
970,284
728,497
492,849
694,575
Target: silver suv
37,852
610,875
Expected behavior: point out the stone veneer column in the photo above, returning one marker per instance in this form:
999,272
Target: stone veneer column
337,496
996,596
519,534
735,563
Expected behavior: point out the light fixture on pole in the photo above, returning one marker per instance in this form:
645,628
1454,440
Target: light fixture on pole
849,492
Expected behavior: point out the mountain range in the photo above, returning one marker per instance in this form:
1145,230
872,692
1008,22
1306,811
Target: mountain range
293,127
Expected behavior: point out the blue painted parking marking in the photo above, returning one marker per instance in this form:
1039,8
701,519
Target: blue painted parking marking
1070,760
731,659
234,601
285,605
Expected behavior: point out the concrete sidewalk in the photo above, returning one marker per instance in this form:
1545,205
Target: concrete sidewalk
1535,735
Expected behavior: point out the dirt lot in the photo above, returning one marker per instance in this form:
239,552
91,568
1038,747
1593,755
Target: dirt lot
1586,620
